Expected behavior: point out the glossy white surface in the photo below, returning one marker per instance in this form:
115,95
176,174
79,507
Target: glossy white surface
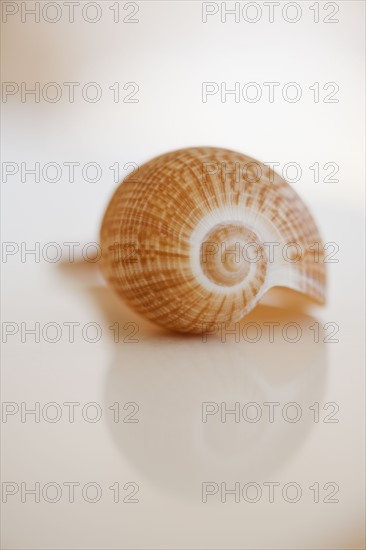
170,452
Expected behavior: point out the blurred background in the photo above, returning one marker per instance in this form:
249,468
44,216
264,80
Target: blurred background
90,91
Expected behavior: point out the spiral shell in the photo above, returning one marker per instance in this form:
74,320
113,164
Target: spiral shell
195,237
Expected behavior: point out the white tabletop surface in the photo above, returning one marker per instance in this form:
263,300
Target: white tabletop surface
162,463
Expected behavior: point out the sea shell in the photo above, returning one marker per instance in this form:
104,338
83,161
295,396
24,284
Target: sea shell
195,237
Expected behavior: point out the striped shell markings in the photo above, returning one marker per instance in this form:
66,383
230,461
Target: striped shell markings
196,237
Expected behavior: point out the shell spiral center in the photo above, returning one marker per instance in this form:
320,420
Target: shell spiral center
228,253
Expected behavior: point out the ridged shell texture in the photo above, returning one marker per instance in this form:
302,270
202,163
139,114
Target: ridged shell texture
195,237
